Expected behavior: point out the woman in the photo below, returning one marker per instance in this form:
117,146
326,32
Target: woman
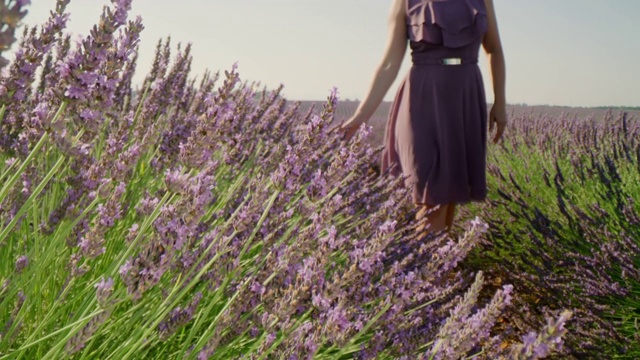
436,133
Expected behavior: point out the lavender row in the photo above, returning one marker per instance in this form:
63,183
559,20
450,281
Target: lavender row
199,219
564,216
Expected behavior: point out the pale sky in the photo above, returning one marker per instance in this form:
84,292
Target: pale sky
558,52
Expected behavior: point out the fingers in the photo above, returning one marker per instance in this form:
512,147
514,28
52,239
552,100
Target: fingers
499,132
350,131
340,128
345,131
497,121
335,128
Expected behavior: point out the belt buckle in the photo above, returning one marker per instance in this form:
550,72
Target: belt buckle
452,61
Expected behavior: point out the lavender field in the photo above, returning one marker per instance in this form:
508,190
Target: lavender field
193,218
346,108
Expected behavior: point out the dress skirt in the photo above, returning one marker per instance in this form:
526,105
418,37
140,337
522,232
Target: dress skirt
436,133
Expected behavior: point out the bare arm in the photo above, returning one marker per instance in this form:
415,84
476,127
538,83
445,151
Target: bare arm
493,46
387,70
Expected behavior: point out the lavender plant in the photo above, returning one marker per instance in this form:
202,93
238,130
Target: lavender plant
209,221
11,12
564,228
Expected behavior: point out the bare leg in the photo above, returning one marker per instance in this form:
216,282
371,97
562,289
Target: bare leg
451,214
436,220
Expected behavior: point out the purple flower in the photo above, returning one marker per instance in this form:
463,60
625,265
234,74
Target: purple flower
63,68
179,317
104,288
88,78
538,346
91,246
319,301
479,225
76,92
337,318
21,264
540,350
106,83
147,205
176,181
40,113
90,115
125,268
388,226
529,339
77,342
258,288
271,337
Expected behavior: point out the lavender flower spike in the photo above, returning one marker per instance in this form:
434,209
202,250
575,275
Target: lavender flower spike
103,290
21,264
537,346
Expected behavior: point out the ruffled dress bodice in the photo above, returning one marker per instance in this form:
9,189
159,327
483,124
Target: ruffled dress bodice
450,23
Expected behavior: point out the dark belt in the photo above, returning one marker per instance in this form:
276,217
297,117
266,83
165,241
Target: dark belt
445,61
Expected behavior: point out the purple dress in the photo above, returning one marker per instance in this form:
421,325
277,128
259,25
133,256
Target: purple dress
436,133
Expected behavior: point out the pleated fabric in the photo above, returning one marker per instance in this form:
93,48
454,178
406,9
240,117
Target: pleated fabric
436,133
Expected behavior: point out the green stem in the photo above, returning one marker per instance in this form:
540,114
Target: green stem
28,345
9,184
5,232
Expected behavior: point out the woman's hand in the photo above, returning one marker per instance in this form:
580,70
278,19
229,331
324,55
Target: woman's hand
498,120
386,72
350,127
493,47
